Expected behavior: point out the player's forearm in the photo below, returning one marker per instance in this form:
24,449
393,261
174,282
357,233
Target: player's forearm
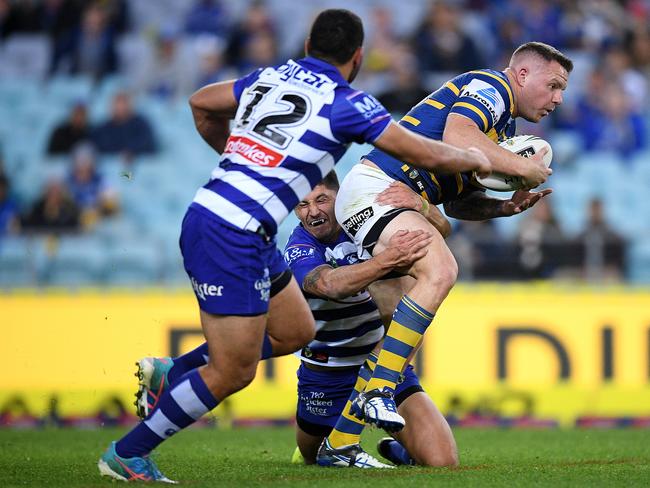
440,157
467,134
346,281
475,206
436,218
412,148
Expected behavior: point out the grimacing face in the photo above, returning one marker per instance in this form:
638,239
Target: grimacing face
542,89
316,213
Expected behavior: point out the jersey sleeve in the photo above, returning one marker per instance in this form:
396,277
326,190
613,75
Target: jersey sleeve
482,101
358,117
242,83
302,258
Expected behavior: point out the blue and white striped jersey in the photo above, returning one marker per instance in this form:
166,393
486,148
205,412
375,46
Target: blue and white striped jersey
294,122
347,330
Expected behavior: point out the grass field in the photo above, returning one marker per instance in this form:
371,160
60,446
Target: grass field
260,457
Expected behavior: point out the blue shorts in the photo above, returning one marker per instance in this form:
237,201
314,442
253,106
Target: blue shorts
230,269
322,396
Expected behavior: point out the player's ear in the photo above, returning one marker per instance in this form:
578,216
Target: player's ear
307,46
358,55
522,75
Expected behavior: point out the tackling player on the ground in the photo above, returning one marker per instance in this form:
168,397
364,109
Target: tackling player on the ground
324,261
292,123
476,108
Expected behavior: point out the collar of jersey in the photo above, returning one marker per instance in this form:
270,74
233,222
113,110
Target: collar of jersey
320,66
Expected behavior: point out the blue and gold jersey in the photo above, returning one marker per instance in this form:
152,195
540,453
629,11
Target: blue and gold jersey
483,96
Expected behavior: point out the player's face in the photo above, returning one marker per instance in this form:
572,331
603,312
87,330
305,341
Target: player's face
316,213
542,90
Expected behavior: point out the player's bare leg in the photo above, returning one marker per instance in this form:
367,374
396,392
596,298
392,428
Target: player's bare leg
290,324
427,437
234,342
308,445
435,275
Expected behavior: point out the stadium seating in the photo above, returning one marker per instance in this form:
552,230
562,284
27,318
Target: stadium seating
16,263
154,191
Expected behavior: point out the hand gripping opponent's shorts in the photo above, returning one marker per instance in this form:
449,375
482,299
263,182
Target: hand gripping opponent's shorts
232,271
359,215
322,395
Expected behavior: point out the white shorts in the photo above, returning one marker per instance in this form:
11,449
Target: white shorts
359,215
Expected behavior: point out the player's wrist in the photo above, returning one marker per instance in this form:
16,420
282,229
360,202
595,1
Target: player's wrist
424,206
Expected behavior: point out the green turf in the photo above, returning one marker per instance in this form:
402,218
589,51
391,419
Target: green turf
260,457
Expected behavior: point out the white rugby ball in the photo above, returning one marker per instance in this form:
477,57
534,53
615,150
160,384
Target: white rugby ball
525,146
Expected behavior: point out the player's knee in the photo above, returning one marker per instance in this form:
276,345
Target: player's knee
448,274
231,376
244,376
441,458
442,276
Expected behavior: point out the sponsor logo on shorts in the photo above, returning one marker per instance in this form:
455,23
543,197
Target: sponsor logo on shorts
253,151
204,290
263,285
317,403
354,223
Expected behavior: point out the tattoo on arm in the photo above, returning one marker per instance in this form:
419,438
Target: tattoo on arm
310,283
475,206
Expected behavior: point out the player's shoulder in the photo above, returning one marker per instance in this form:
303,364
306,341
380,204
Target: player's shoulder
301,238
492,84
350,99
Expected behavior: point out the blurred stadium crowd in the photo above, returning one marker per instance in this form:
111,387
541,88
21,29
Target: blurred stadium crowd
99,156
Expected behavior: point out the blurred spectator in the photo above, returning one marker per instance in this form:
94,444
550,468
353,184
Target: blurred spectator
91,48
55,211
211,67
8,21
606,120
480,251
117,13
207,17
604,248
70,132
25,15
261,50
618,66
441,45
603,24
380,47
256,22
170,76
60,20
541,241
88,188
519,21
8,209
639,49
126,132
406,90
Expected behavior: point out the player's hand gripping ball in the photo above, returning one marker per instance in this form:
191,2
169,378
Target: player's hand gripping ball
525,146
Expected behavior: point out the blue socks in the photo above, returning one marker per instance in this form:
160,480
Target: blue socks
180,406
398,453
